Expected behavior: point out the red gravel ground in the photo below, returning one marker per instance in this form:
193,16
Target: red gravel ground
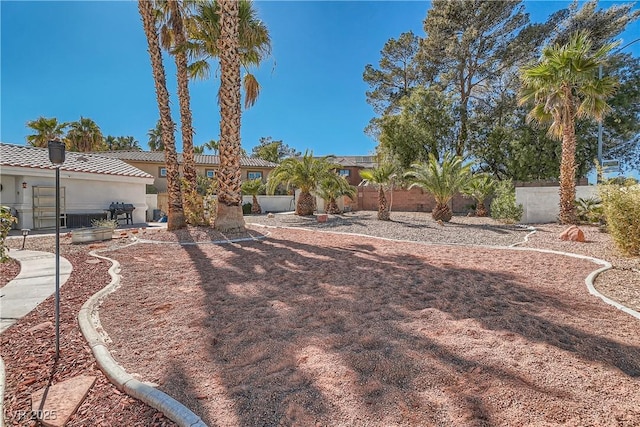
306,329
28,349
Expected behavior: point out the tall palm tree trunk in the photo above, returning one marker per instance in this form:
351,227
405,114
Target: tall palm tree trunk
184,99
229,212
568,165
175,218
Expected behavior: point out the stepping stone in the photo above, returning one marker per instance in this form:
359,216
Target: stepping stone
62,401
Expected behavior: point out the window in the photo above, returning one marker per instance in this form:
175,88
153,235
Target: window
210,173
254,175
344,172
162,172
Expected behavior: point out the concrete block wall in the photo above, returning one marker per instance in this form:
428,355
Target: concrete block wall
542,204
403,200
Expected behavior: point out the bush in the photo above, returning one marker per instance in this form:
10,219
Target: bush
621,206
503,206
246,209
6,222
589,210
106,223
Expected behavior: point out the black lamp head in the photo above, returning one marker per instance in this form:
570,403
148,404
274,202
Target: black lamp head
56,152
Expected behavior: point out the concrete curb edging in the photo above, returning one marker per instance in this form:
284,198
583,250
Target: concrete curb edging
90,324
606,265
1,392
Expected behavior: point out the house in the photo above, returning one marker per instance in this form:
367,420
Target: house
89,183
350,166
152,162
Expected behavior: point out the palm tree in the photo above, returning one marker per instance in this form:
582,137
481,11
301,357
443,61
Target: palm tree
304,174
380,176
173,39
111,142
254,43
155,138
443,180
127,143
45,130
212,145
176,214
198,149
84,136
254,187
565,86
229,210
480,186
333,187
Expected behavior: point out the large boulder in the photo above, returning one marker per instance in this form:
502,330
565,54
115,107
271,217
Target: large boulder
573,234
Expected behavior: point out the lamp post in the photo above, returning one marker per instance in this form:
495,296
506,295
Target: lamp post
599,177
25,233
56,156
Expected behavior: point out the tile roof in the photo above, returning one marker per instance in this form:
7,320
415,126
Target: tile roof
38,158
200,159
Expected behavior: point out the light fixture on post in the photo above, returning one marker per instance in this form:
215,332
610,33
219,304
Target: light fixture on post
25,233
56,156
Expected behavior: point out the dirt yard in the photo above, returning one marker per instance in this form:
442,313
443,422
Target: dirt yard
307,328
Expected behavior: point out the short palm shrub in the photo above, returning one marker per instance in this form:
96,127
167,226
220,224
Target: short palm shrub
381,176
442,179
254,187
479,187
621,205
333,187
504,207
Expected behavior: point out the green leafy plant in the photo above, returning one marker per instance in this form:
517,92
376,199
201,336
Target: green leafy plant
333,187
621,205
105,223
503,206
253,188
589,209
479,187
6,222
246,208
441,179
381,176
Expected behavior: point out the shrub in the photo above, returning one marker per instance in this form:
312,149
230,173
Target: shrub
151,189
107,223
246,209
503,206
621,206
6,222
589,210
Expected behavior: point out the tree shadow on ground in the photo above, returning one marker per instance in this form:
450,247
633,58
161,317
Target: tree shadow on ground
292,323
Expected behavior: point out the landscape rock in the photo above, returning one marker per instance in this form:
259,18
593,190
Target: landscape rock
573,234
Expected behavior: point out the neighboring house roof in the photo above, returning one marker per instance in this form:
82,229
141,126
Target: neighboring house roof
367,162
38,158
200,159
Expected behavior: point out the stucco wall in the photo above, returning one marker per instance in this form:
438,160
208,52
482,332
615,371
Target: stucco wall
84,192
542,204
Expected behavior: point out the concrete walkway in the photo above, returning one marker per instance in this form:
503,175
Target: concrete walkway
34,284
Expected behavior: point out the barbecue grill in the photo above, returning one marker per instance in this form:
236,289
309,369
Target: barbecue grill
118,209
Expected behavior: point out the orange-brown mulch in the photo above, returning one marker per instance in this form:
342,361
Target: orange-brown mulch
306,328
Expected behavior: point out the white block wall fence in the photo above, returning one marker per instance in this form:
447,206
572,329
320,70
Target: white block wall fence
542,204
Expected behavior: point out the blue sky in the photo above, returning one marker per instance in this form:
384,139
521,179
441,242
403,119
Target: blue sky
80,58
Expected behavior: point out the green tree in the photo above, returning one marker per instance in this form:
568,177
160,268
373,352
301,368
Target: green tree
45,130
397,75
305,174
229,207
422,127
470,43
564,85
155,138
254,43
381,177
479,187
176,218
212,145
273,151
127,143
333,187
442,179
253,188
84,136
